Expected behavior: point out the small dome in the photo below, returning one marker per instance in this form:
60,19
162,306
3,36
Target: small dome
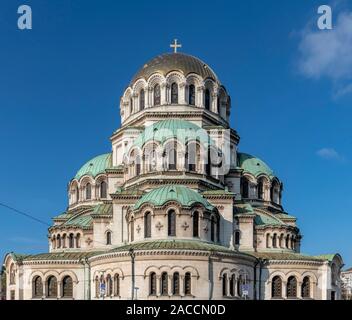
168,62
183,195
182,130
254,165
95,166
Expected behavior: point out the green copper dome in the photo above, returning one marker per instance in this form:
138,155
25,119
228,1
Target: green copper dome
183,195
253,165
182,130
95,166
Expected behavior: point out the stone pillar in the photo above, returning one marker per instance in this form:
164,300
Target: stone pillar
149,96
214,101
182,93
284,289
182,285
163,98
299,290
59,289
158,285
200,97
169,285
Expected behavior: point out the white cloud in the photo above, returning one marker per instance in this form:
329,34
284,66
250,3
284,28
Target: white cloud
328,53
329,154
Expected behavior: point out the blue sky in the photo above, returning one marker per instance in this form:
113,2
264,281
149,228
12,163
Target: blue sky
290,84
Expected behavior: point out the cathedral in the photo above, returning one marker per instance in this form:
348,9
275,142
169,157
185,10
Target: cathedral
175,210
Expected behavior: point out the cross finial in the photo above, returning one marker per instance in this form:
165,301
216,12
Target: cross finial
175,45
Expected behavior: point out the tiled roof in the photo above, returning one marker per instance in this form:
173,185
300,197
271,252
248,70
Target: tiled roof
254,165
60,256
183,195
103,209
284,256
263,219
95,166
84,222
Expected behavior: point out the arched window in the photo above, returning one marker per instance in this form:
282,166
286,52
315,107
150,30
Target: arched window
276,287
244,188
147,225
275,240
116,284
237,237
174,93
287,242
109,286
260,189
157,95
51,287
232,285
188,284
103,190
77,194
88,191
208,163
108,238
131,105
268,240
171,223
293,243
63,240
176,284
141,100
195,224
191,157
138,165
207,99
53,242
164,284
71,241
67,287
152,285
291,287
37,287
12,274
239,285
58,241
172,159
212,228
78,240
224,285
97,287
192,95
306,288
132,229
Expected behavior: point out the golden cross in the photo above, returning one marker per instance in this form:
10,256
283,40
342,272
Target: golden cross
175,45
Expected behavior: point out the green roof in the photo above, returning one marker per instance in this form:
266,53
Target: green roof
263,219
284,256
103,209
84,222
174,244
183,195
242,208
254,165
328,257
182,130
60,256
95,166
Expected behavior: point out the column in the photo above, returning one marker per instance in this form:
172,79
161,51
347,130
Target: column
135,103
214,101
182,93
182,285
169,285
59,285
148,98
200,97
163,93
228,286
299,290
158,285
284,289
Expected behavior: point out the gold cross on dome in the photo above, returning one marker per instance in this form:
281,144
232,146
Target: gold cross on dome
175,45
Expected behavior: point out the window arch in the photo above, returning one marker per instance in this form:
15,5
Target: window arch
212,228
71,241
88,191
37,287
306,288
51,287
152,284
260,189
108,238
164,284
109,286
275,240
196,224
157,95
174,93
116,284
171,223
58,241
292,287
192,95
224,285
147,225
176,284
244,187
141,100
103,190
207,99
67,287
78,240
276,287
188,283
